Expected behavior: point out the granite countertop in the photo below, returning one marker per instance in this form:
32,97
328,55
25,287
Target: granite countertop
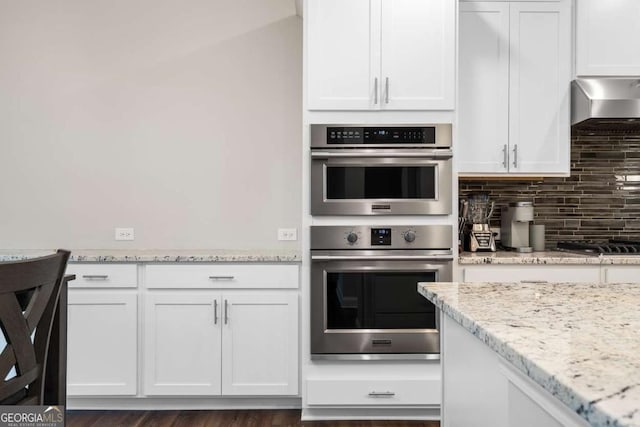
547,257
580,342
160,255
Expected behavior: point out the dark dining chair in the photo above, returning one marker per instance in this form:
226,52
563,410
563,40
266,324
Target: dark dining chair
29,296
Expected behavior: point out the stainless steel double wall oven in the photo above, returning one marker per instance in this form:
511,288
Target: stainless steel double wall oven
381,170
364,298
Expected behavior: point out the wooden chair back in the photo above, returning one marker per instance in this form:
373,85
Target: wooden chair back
29,292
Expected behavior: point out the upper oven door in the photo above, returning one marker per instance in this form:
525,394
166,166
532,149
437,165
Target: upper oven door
381,182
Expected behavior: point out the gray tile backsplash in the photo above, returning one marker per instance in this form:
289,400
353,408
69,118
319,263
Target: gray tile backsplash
600,200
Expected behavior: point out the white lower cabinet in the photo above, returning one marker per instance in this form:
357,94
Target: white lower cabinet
182,344
211,343
260,343
102,330
102,342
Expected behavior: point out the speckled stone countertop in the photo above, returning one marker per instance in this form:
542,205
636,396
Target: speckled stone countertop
547,257
581,342
106,255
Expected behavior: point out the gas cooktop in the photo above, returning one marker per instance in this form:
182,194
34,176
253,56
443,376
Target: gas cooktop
611,247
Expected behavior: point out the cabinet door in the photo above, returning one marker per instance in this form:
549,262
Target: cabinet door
483,107
260,343
340,64
418,54
540,75
182,343
101,343
607,38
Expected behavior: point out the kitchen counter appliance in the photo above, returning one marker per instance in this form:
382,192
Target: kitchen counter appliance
364,298
478,236
514,226
381,169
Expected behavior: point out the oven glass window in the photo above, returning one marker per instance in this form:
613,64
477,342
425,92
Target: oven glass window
381,182
384,300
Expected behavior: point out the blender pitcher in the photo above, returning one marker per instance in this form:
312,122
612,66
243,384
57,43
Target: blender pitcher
480,238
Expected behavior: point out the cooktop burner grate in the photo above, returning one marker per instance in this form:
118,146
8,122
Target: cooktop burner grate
612,247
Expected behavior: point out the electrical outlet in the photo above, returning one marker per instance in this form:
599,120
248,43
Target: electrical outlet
287,234
124,234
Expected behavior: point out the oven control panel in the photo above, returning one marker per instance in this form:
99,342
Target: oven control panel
381,135
376,237
336,136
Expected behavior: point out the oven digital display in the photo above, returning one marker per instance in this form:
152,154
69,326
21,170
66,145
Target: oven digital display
381,135
380,237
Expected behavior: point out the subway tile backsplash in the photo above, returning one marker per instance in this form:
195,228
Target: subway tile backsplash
600,200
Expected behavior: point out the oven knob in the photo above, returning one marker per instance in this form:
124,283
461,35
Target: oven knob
409,236
352,237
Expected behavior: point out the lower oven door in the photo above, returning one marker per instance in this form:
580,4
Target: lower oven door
371,309
381,182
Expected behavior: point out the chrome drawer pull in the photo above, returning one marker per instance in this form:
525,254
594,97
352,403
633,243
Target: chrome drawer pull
221,277
382,394
215,311
95,276
226,312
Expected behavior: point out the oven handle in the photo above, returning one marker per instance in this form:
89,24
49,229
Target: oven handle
381,257
425,154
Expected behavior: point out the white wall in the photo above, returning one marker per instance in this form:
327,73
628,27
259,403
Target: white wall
180,119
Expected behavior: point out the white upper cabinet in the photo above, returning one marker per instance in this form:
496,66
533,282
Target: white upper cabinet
539,87
515,73
339,49
483,107
380,54
607,38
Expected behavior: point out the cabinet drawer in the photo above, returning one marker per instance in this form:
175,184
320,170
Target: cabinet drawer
531,273
621,274
373,392
217,276
103,275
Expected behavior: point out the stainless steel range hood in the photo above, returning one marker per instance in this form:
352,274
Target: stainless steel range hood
605,103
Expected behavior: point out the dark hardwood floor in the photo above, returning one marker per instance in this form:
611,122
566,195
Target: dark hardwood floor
231,418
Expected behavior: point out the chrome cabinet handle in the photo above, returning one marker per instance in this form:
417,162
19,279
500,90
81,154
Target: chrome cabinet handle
226,312
515,156
375,91
95,276
382,394
386,90
215,311
221,277
505,160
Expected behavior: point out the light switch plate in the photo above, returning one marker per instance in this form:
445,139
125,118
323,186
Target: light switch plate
124,234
